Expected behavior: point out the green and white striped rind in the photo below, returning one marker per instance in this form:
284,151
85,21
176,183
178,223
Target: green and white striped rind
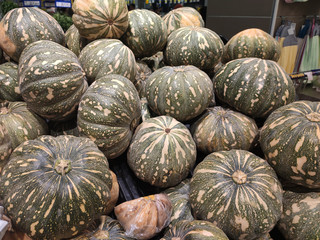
25,25
254,86
197,46
182,92
237,191
222,129
109,112
9,84
51,80
107,56
290,141
21,123
195,230
252,42
301,215
74,41
162,152
5,146
143,72
182,17
100,18
47,205
146,34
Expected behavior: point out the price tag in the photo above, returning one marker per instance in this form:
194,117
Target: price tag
63,4
49,4
31,3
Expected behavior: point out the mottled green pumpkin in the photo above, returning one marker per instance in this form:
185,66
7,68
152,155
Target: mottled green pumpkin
238,191
74,41
51,80
55,187
254,86
252,42
143,72
20,123
182,92
146,34
100,18
5,146
69,127
182,17
109,112
290,141
25,25
162,152
9,85
197,46
107,56
301,215
224,129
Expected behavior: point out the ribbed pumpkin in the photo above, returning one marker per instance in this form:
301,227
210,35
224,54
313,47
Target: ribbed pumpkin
109,112
21,123
290,141
55,188
107,56
143,72
30,25
74,41
162,152
146,34
182,92
224,129
195,230
9,85
51,80
197,46
5,146
252,42
68,127
100,18
254,86
237,191
301,215
182,17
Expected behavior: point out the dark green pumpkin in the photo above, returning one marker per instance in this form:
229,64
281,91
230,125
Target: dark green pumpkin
5,146
54,188
74,41
238,191
9,85
51,80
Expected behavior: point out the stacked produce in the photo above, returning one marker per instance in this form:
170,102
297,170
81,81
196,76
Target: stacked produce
114,130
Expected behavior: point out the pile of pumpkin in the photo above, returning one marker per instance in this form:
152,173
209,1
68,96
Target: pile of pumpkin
162,92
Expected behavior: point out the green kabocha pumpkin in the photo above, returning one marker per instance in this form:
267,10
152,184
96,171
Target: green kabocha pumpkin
109,112
195,230
31,24
74,41
100,18
182,92
182,17
107,56
162,152
143,72
68,127
224,129
197,46
301,215
238,191
146,34
51,80
252,42
290,141
20,123
5,146
9,85
55,187
254,86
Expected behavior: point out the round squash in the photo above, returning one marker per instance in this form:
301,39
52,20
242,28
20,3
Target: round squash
237,191
74,41
9,85
290,141
107,56
20,123
197,46
109,112
162,152
100,19
182,17
254,86
143,72
182,92
146,34
55,187
51,80
5,146
25,25
222,129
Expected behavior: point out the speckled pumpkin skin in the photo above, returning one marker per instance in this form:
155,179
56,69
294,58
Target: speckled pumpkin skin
9,85
74,41
5,146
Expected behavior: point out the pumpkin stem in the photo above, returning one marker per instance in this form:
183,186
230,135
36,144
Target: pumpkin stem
110,22
313,117
239,177
4,110
103,219
167,130
62,166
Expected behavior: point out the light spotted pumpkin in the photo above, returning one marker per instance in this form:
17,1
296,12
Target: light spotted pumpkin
74,41
5,146
9,85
